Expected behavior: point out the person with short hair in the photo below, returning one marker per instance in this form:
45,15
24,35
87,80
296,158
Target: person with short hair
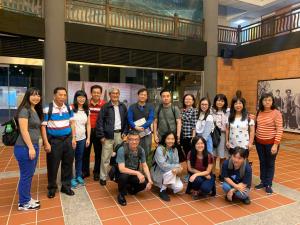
237,174
58,133
129,158
111,128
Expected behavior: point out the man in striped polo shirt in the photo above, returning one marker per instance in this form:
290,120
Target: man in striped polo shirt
95,106
58,135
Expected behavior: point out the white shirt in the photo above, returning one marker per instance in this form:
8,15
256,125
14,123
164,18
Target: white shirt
200,124
118,125
80,119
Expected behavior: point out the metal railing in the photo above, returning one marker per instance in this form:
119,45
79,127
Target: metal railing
30,7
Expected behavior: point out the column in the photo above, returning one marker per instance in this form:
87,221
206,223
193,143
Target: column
55,47
210,12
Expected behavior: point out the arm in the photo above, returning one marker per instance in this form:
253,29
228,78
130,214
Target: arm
207,129
149,119
130,117
194,121
147,172
227,136
23,124
279,127
125,170
47,145
178,122
251,136
72,123
88,131
155,131
191,169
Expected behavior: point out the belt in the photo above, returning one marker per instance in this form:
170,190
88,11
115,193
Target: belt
117,131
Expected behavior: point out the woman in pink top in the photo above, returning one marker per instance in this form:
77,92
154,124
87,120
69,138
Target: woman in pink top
268,136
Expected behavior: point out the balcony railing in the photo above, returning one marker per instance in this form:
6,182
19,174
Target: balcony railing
30,7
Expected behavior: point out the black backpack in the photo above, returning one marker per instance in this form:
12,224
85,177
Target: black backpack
11,132
50,110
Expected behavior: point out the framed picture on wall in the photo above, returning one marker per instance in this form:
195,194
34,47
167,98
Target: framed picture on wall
287,99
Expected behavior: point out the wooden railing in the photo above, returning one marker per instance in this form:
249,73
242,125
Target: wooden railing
228,35
31,7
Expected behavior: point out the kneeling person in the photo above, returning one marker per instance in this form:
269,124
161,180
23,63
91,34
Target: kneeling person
129,158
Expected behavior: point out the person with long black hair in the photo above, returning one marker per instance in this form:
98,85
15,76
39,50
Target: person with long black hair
200,165
26,150
82,133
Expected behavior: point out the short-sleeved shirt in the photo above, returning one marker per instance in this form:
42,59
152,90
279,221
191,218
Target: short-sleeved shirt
234,175
34,125
133,158
80,119
189,118
94,111
169,112
239,132
199,162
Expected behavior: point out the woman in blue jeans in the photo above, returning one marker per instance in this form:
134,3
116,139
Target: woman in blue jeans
82,131
237,175
26,150
200,164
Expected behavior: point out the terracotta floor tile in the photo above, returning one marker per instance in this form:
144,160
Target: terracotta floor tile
98,194
183,210
235,211
132,208
152,204
175,200
55,221
162,214
44,214
253,207
18,219
197,219
267,203
291,184
173,222
218,201
49,203
117,221
4,201
4,210
144,195
281,199
3,220
141,218
109,213
217,216
202,205
104,202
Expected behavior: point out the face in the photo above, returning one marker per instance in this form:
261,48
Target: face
96,94
238,106
288,93
267,102
204,105
133,141
188,101
34,99
166,98
170,140
60,97
114,95
200,146
220,103
143,96
277,93
81,100
237,160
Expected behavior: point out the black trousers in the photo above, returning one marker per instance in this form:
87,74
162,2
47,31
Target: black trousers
132,182
186,144
61,152
87,152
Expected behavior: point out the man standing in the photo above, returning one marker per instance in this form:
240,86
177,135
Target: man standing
95,106
111,128
167,117
58,135
140,118
129,157
297,108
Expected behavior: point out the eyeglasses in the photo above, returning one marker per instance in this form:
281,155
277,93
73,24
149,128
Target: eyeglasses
133,140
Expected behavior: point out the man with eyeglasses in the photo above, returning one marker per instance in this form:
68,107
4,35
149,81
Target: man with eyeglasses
129,158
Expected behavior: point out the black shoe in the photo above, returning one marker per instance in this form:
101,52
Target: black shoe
122,200
164,196
221,179
96,177
269,190
213,191
85,175
51,193
102,182
259,186
67,191
246,201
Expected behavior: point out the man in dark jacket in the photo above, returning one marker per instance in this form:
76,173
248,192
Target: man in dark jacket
111,128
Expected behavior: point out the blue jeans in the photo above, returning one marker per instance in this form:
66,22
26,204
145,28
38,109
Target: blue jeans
266,163
80,146
27,168
227,187
202,184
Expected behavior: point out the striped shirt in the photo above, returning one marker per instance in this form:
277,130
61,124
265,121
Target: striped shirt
269,127
59,123
94,111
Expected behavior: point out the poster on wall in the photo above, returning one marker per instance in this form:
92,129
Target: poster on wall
287,99
128,91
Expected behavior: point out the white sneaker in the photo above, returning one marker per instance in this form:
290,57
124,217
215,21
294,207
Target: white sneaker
35,201
28,207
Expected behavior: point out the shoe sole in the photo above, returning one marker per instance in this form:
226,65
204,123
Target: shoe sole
24,209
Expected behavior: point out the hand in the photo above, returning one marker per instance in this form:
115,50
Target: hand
103,141
228,145
156,139
241,188
139,128
174,171
74,143
141,177
47,147
32,153
149,186
274,149
87,142
250,146
192,178
208,177
178,139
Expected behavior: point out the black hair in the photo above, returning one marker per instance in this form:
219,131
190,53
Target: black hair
26,102
96,86
164,137
208,110
133,132
244,153
59,89
262,97
142,90
193,97
85,105
234,100
194,152
220,97
288,90
277,90
163,91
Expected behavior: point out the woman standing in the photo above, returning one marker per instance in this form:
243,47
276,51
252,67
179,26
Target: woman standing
82,131
26,149
220,114
269,131
205,123
200,164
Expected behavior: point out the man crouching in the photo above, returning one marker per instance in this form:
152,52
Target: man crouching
129,158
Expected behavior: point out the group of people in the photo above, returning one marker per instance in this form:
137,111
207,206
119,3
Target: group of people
181,136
